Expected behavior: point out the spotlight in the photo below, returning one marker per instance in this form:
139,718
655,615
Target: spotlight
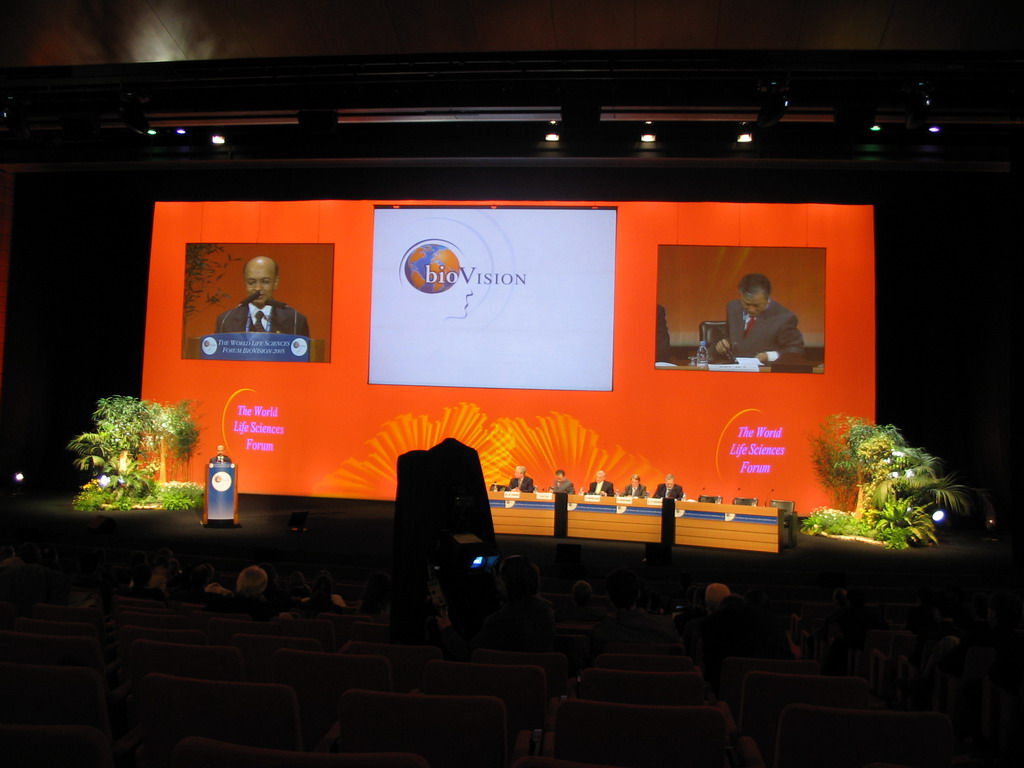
180,131
218,138
647,138
103,480
552,136
934,129
774,102
131,111
19,478
745,135
938,516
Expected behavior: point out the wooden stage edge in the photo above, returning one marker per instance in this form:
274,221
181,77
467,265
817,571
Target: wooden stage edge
682,522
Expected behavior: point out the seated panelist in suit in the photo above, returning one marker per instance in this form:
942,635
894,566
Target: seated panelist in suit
669,489
520,481
635,488
562,484
260,312
601,486
758,327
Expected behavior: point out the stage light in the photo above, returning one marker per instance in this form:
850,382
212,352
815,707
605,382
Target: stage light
774,102
934,129
218,138
131,111
876,128
551,136
19,478
180,131
744,137
151,132
647,138
939,515
103,480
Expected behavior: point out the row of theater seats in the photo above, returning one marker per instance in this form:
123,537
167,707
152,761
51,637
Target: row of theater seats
979,711
644,709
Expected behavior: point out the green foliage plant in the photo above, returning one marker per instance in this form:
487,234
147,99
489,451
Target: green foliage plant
835,522
176,495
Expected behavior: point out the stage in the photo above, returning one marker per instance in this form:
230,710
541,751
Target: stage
353,537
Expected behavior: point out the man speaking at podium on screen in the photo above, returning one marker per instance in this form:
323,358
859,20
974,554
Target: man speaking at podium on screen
260,312
758,327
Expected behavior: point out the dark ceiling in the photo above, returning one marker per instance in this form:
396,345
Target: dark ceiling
412,80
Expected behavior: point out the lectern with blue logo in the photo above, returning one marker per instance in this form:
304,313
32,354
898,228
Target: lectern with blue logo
220,507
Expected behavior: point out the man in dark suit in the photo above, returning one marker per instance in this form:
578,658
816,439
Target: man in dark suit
261,312
601,486
668,489
758,327
636,489
520,482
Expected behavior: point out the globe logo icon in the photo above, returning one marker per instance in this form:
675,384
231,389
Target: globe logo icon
432,267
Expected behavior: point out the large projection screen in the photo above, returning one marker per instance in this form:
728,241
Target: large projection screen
325,428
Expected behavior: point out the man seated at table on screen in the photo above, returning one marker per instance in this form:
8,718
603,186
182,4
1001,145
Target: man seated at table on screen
636,489
669,489
600,486
757,326
520,481
562,484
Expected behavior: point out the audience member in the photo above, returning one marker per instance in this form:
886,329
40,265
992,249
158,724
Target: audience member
525,622
322,599
248,597
579,611
376,598
625,622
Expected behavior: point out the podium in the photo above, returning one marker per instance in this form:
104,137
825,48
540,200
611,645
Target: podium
220,503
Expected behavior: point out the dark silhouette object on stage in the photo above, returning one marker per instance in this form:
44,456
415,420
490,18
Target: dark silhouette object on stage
789,522
297,521
657,555
101,524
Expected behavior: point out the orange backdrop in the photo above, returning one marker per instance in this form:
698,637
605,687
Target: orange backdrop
319,429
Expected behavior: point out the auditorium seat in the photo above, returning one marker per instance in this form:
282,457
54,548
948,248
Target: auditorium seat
201,619
43,746
258,652
631,687
219,631
370,632
50,694
766,694
449,731
129,634
203,662
812,735
637,735
319,679
407,661
80,614
47,627
666,649
318,629
254,714
342,624
555,666
153,619
29,648
7,615
644,662
199,752
522,688
735,669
